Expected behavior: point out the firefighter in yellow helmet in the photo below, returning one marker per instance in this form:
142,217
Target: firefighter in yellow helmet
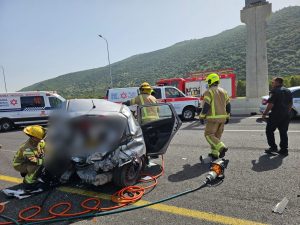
216,110
30,156
149,113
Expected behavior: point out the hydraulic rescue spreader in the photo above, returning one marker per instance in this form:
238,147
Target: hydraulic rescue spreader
217,170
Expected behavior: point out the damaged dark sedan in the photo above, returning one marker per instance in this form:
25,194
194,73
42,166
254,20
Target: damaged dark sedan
99,141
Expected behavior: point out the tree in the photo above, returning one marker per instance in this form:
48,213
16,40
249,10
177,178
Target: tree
241,88
295,81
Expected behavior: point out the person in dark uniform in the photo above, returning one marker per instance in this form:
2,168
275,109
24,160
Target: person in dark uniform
280,104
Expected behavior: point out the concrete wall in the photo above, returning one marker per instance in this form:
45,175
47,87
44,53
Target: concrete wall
245,106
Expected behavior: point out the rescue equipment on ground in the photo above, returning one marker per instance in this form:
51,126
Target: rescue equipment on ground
217,170
124,197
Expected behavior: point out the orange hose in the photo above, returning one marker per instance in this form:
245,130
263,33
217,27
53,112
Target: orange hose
123,197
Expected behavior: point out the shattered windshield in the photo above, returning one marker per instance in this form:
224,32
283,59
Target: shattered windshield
85,135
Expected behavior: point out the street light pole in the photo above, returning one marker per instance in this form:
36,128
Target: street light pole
111,81
4,78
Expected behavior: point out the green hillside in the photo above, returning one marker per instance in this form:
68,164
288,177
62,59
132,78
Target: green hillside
225,50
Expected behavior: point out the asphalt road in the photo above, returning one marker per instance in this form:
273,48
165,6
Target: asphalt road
254,182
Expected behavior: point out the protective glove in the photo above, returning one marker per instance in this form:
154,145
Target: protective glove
33,159
41,149
36,160
126,103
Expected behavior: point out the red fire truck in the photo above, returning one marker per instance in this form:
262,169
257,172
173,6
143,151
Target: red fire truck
195,85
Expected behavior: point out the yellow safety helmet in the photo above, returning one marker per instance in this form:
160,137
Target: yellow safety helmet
35,131
212,78
145,85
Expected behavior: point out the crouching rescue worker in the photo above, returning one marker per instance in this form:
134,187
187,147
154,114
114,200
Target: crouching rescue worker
216,110
149,113
29,158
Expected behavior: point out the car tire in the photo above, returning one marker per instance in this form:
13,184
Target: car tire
128,174
6,125
188,113
293,114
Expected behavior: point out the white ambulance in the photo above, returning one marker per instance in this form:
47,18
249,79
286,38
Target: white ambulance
185,106
26,108
120,95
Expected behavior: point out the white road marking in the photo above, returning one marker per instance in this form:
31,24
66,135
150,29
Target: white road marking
290,131
243,117
7,150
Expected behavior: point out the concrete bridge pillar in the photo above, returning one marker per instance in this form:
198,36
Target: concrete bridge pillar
254,15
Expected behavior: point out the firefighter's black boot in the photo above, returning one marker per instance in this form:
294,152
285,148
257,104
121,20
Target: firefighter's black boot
23,174
223,151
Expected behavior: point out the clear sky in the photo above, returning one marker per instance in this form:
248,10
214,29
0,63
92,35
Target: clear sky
42,39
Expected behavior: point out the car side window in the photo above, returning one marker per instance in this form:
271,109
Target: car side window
173,93
32,101
157,93
152,113
296,94
55,102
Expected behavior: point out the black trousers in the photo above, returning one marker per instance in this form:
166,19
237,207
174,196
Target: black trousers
282,124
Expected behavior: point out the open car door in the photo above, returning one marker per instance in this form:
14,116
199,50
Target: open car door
159,123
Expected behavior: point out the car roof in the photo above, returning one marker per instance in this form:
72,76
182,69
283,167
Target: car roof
123,88
294,88
86,105
28,92
164,86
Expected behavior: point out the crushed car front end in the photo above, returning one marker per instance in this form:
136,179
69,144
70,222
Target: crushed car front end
93,139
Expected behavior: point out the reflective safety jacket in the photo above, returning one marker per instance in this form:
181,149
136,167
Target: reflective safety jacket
148,113
217,98
26,151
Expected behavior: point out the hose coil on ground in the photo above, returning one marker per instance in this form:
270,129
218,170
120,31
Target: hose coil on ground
91,206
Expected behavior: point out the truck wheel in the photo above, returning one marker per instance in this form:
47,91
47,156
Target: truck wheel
127,174
6,125
188,113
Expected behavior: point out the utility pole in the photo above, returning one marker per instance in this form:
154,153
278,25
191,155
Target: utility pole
3,73
111,81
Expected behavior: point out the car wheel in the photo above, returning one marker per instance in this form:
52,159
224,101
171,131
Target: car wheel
6,125
293,114
128,174
188,113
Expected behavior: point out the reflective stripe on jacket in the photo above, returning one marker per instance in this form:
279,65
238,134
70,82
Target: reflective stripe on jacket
26,151
217,98
148,113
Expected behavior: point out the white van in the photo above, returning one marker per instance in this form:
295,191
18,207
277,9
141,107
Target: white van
26,108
